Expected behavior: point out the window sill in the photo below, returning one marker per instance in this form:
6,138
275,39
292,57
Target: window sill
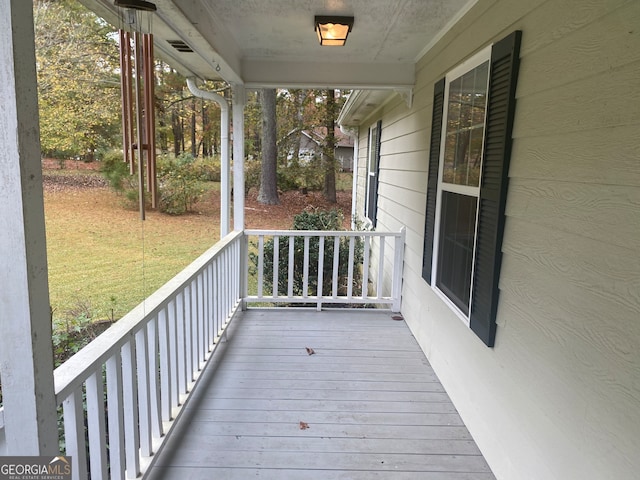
464,318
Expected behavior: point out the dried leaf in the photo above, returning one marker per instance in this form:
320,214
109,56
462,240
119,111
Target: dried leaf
310,351
304,425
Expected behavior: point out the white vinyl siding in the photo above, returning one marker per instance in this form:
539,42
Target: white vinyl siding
562,379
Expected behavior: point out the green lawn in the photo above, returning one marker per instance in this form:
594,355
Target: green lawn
103,260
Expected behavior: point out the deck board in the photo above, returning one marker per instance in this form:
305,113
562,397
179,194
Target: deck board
373,406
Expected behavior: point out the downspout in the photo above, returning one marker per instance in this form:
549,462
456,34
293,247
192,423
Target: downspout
225,197
353,132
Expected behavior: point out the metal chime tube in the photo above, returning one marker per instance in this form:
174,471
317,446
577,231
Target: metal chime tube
149,84
137,55
138,93
126,109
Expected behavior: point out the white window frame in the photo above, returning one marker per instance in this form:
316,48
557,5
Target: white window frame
478,59
371,154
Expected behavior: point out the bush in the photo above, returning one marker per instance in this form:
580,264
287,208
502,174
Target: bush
294,176
288,179
116,171
179,180
313,220
179,185
307,175
252,172
77,328
207,169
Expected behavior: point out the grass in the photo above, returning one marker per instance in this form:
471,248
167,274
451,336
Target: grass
103,259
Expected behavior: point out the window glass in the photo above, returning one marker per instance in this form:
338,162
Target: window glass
465,127
455,259
373,138
371,205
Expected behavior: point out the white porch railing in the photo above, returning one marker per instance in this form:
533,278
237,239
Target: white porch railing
287,272
121,393
148,362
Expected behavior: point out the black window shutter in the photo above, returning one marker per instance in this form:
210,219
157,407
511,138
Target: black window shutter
432,178
493,192
373,186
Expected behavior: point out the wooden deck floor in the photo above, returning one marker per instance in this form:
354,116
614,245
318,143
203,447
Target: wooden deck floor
373,406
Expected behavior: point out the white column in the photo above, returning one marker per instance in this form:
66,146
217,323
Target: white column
225,177
26,360
239,101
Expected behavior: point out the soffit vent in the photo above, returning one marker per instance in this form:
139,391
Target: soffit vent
180,46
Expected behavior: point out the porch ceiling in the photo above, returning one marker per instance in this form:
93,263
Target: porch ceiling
272,43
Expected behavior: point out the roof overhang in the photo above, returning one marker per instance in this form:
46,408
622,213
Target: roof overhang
362,104
273,43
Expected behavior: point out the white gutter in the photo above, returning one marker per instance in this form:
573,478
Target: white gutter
225,197
353,132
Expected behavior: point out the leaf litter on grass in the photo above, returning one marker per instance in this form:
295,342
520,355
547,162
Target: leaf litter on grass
101,252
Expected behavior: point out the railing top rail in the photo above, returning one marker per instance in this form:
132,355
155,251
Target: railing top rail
322,233
76,369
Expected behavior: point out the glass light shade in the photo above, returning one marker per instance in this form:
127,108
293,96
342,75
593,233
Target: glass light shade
333,31
136,5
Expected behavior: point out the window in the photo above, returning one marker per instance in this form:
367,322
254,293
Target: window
472,120
373,167
460,163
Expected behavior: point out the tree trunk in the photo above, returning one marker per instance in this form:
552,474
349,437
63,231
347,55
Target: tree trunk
194,143
177,132
162,135
182,143
329,158
299,98
205,132
269,179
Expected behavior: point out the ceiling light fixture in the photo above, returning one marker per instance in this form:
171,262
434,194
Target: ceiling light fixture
136,5
333,31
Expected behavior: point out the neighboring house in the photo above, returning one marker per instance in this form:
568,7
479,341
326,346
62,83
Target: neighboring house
312,141
531,319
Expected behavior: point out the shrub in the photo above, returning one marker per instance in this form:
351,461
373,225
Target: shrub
288,179
179,180
313,220
306,174
68,337
77,327
179,187
252,171
207,169
116,171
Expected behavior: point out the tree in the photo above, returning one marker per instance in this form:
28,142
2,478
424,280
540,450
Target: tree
329,148
78,84
299,97
269,179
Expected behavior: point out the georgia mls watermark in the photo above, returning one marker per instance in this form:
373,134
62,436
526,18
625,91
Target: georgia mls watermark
35,468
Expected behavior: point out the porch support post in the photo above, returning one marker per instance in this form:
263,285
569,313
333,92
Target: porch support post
239,101
26,359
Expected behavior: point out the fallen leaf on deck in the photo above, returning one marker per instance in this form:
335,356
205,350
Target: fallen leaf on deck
304,425
310,351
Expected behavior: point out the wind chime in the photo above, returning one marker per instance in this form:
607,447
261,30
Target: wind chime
137,86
